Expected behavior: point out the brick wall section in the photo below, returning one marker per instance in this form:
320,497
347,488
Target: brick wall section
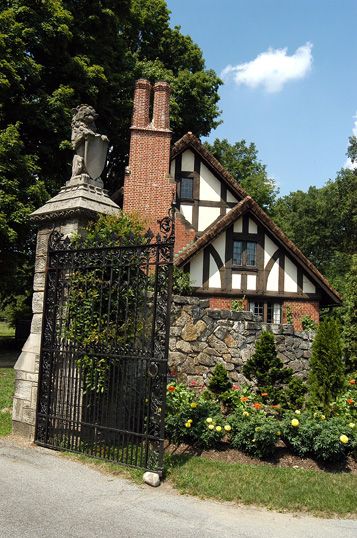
220,303
300,309
148,188
184,232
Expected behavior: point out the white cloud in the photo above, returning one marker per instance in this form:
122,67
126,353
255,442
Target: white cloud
272,69
349,164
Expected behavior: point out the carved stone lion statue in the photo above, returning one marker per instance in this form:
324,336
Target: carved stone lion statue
83,127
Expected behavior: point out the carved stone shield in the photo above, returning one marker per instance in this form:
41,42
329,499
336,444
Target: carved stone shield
95,154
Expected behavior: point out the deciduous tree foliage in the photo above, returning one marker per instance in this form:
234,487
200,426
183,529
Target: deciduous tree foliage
350,319
241,160
55,54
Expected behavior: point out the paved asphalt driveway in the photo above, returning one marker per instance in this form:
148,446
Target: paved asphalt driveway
44,495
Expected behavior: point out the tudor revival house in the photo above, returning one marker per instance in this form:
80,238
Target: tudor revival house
227,243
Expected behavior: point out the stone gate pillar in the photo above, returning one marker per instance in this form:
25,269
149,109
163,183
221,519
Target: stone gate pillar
80,200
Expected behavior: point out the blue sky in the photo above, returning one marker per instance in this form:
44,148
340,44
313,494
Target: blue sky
297,105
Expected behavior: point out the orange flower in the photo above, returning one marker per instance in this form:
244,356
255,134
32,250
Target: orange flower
244,398
350,401
264,394
171,388
257,405
352,381
276,406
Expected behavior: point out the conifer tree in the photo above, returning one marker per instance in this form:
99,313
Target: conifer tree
266,369
326,378
350,319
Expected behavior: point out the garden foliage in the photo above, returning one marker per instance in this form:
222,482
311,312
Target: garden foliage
266,369
326,379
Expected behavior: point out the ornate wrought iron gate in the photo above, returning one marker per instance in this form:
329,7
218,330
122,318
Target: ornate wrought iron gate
103,367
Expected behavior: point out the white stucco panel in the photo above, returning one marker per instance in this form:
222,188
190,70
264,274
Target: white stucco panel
230,197
214,280
210,186
206,215
307,285
196,270
186,210
269,249
220,245
236,281
290,276
188,161
173,168
273,278
251,282
238,225
252,227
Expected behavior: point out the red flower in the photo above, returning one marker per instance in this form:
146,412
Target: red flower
236,387
257,405
193,383
171,388
350,401
264,394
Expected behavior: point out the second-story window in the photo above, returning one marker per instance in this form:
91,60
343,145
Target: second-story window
244,253
186,192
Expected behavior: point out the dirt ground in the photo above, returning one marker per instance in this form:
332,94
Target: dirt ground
283,458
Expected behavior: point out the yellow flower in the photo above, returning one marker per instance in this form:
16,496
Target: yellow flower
295,422
323,417
209,420
190,420
278,432
298,412
245,414
193,405
227,428
188,424
344,439
352,425
210,427
218,428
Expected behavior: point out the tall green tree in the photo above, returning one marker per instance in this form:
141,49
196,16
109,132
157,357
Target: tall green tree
326,377
55,54
349,333
323,223
241,160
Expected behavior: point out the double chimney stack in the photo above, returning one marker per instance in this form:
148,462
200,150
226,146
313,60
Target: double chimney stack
148,187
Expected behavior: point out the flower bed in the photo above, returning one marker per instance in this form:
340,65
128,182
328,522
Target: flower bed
245,420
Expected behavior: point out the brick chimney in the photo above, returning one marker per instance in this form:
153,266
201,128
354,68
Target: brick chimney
148,188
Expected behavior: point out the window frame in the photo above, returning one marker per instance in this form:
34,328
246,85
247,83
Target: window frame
188,176
256,304
244,254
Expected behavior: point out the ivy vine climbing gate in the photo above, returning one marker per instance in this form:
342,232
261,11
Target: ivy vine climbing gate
103,367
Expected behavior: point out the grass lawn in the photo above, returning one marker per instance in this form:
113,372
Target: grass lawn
283,489
7,380
6,330
321,493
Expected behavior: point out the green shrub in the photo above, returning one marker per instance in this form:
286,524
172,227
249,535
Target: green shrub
326,378
181,284
238,304
299,431
219,381
308,324
186,418
293,396
350,318
256,434
266,369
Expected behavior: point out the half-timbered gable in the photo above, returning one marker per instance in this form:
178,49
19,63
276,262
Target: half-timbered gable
205,191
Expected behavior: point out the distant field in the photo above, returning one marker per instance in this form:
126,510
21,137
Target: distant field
5,330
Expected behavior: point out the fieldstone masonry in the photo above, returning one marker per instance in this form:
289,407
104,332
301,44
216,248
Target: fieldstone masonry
200,337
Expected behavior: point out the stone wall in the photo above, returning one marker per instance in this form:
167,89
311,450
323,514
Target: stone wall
200,337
